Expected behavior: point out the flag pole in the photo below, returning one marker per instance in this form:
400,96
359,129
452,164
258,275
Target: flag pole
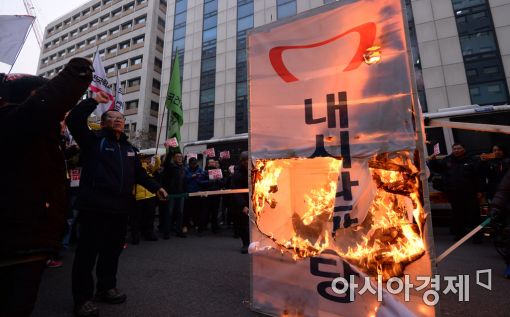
160,128
461,241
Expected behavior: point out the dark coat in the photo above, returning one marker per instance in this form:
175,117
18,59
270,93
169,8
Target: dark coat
239,181
501,198
111,167
173,177
459,175
33,201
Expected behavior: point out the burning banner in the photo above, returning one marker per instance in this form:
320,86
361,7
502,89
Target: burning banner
336,182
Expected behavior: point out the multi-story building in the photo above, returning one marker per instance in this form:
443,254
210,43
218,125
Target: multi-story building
461,53
129,36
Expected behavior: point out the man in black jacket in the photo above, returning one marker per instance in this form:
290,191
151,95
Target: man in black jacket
110,170
33,178
241,201
173,179
463,186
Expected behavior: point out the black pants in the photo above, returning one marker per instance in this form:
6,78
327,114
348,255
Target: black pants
193,210
465,212
242,223
142,218
210,213
102,237
19,285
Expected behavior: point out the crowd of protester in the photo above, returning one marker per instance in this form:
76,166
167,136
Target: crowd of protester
91,187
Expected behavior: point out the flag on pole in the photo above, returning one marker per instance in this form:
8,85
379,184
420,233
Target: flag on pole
119,96
174,102
100,83
13,32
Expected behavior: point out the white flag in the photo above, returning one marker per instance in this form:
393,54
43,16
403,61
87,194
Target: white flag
13,31
100,83
119,96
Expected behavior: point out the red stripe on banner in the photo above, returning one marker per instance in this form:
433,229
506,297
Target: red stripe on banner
367,38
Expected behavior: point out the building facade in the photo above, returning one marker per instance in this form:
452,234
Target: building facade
461,53
460,50
129,36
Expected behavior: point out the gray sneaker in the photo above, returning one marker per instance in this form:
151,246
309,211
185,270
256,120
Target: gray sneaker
111,296
87,309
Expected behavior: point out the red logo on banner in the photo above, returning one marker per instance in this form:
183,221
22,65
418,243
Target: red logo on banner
367,37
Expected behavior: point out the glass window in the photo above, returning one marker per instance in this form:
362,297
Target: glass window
478,43
210,22
140,20
136,60
116,12
105,18
156,83
158,62
111,49
133,104
102,36
134,82
154,106
180,18
209,35
114,31
181,6
245,23
109,69
245,10
122,65
129,6
488,93
491,70
139,39
124,45
178,44
208,64
127,25
161,22
463,4
179,33
286,8
207,95
210,6
91,41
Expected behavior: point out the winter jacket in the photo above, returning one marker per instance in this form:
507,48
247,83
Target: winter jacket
111,167
173,177
240,181
33,200
459,175
142,192
494,170
193,183
501,198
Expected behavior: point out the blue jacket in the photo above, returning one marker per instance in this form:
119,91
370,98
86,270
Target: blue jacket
193,183
111,167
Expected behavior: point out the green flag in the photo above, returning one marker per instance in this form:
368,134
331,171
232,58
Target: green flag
174,102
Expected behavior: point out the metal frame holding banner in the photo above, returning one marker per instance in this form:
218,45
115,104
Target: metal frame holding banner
338,202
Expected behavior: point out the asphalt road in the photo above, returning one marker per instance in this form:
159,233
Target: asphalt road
207,276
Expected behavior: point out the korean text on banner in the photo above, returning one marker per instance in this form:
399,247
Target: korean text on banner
174,102
331,133
100,83
119,96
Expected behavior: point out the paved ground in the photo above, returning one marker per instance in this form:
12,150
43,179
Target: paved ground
207,276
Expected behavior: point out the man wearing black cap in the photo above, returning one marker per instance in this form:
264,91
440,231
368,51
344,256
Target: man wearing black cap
33,178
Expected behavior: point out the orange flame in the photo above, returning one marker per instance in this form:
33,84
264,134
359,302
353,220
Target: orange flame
389,239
